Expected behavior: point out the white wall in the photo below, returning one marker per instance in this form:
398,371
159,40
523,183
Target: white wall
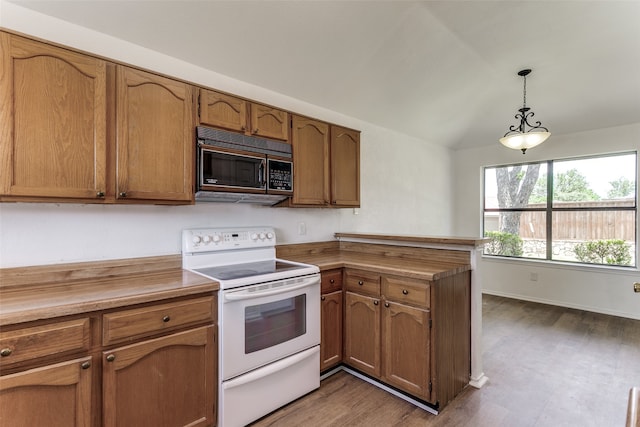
600,289
405,182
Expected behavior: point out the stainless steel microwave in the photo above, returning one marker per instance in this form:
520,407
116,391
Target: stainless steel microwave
238,168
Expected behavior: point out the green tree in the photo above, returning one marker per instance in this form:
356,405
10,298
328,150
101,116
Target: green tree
572,186
621,188
515,185
567,186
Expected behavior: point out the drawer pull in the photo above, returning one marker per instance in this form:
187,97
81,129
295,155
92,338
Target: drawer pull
166,319
405,292
322,298
5,352
360,282
86,365
376,302
332,281
386,304
111,358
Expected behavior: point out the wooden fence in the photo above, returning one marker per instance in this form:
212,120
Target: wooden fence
584,224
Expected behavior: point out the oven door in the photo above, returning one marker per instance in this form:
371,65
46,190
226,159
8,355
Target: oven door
266,322
219,169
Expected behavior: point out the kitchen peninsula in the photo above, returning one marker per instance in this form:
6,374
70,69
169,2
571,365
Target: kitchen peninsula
426,341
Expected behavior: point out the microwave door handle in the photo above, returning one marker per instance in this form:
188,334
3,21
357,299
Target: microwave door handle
244,295
261,177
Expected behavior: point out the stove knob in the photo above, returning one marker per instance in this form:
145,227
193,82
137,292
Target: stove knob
216,239
262,236
254,236
196,239
269,235
206,239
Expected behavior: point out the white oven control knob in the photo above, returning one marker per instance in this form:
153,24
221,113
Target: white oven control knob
254,236
196,239
269,235
262,236
206,239
216,238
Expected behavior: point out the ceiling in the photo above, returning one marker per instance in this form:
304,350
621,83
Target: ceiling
442,71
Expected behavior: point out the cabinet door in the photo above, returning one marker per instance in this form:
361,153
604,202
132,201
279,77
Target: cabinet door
362,333
310,139
345,167
155,137
405,348
168,381
54,396
52,121
221,110
331,331
269,122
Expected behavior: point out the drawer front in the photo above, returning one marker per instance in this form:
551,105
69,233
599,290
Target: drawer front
45,340
331,281
408,291
363,282
139,322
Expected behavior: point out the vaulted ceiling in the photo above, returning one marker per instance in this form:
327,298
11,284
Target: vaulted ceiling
443,71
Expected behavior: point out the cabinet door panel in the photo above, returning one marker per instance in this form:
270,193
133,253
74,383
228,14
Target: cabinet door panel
362,333
406,340
345,167
269,122
155,137
225,111
331,331
53,123
310,139
53,396
168,381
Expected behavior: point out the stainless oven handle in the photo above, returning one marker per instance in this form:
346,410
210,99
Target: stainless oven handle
244,295
273,368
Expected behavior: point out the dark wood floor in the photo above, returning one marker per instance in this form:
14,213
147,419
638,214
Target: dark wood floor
547,366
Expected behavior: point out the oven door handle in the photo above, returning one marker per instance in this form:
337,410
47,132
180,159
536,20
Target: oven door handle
270,369
244,295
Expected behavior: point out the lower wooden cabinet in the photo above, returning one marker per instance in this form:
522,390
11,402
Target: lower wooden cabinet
362,333
167,381
331,330
154,364
405,348
57,395
411,334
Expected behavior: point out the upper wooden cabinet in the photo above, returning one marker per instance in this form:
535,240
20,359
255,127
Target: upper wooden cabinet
310,145
239,115
71,132
345,167
53,118
326,161
155,137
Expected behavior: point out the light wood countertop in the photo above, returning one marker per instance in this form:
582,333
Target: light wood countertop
42,292
438,240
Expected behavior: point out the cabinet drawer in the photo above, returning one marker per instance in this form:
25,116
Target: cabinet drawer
139,322
45,340
407,291
331,281
363,282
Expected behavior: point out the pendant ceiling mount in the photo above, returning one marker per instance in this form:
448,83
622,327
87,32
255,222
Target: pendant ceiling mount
525,135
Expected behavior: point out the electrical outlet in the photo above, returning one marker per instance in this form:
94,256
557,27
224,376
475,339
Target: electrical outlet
533,277
302,228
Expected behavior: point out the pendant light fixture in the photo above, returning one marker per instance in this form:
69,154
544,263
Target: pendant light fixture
524,135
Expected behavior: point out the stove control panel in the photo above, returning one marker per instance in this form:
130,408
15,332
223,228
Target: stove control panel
220,239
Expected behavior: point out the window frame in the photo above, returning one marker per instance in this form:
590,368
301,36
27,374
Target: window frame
549,210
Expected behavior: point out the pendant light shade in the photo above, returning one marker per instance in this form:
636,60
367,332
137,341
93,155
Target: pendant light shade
524,135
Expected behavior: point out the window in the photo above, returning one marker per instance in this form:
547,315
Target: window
580,210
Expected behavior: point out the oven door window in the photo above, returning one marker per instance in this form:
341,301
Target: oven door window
269,324
231,170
